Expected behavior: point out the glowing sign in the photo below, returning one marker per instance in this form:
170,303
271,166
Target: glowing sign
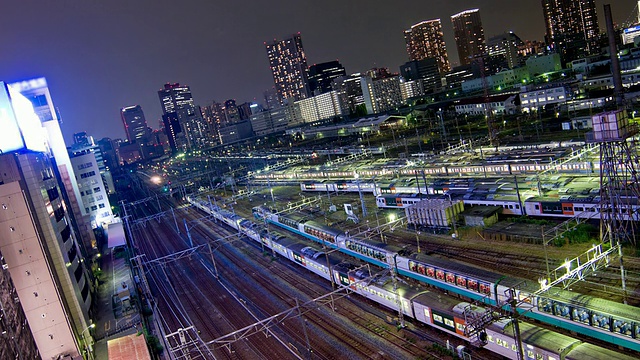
10,137
21,127
33,134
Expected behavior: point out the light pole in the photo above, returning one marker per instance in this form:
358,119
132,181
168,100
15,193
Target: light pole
364,208
87,344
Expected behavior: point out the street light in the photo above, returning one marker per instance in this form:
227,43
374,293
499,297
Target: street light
87,344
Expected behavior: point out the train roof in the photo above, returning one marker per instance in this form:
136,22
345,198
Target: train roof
437,300
465,269
379,245
323,227
588,351
286,242
542,338
594,303
405,291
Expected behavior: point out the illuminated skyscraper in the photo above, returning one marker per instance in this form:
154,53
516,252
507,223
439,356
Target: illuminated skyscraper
425,40
289,68
572,27
135,125
193,132
469,35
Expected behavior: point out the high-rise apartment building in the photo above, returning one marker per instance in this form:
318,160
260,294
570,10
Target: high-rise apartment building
469,35
288,65
571,27
321,75
425,40
135,125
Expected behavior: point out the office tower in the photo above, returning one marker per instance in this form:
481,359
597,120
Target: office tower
571,27
176,98
425,40
93,190
505,48
82,138
381,94
38,244
288,65
425,70
469,35
350,91
231,113
135,125
321,75
321,107
271,99
173,130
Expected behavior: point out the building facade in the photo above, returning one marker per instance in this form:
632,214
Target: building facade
571,27
288,64
381,95
322,75
323,106
425,40
469,35
135,125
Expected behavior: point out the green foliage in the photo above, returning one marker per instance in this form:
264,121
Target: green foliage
528,220
581,233
154,344
361,110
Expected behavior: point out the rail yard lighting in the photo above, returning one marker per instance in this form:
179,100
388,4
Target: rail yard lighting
87,343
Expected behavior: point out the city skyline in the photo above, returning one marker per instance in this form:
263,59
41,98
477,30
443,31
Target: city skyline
99,58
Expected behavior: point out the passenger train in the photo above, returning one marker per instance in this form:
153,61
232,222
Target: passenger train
433,309
566,206
571,311
513,168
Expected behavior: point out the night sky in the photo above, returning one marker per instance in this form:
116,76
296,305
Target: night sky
99,56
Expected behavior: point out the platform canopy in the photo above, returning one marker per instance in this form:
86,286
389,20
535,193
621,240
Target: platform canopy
115,235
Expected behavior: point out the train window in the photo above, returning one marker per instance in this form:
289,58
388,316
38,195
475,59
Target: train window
421,269
431,272
537,207
510,206
451,278
485,288
412,266
580,315
577,208
561,310
601,321
461,281
517,206
472,285
439,274
622,327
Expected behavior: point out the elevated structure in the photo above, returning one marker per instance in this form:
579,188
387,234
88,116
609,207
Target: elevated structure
619,187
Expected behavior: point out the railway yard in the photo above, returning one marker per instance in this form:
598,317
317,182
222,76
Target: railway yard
317,258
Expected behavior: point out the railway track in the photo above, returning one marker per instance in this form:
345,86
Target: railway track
348,314
191,299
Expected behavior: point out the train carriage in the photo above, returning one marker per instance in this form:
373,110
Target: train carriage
597,318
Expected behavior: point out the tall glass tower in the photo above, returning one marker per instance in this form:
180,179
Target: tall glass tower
135,125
